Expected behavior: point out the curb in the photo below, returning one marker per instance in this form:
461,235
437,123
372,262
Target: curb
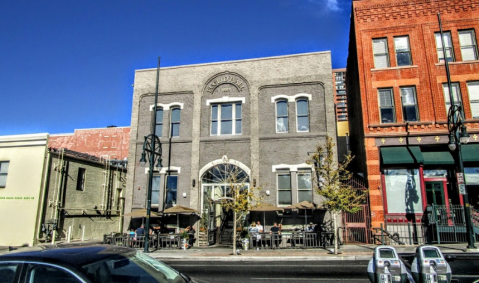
263,258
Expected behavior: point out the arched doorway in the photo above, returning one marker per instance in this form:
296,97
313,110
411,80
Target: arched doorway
216,179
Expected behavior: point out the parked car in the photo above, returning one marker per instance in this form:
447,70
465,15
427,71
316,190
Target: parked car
75,264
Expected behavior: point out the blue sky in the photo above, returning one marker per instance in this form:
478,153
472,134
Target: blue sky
69,64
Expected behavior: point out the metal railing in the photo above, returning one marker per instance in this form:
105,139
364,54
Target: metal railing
156,242
408,233
291,240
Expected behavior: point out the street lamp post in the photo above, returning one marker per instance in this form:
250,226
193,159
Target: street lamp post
152,148
457,135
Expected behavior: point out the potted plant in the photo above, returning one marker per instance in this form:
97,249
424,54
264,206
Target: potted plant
184,239
204,222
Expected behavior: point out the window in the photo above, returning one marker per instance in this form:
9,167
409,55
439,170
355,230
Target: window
302,112
404,185
386,106
467,41
226,119
3,173
284,189
456,93
403,52
175,122
304,187
447,44
473,91
282,116
159,122
380,51
171,189
155,190
46,273
409,104
81,179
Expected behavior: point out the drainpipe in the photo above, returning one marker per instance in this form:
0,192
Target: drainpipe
55,209
43,194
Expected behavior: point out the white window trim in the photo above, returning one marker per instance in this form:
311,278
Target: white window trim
167,106
225,99
227,161
164,170
297,120
297,184
276,115
472,101
292,167
171,122
291,98
286,172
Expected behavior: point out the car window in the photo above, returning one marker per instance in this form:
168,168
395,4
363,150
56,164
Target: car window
7,272
137,268
42,273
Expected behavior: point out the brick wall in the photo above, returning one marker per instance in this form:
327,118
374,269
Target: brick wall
418,20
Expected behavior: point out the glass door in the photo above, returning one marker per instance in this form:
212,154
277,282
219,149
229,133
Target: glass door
435,193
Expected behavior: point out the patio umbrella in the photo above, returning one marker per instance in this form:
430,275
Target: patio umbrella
178,209
303,205
141,213
264,207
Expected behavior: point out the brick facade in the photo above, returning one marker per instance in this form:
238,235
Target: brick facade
256,85
418,20
102,142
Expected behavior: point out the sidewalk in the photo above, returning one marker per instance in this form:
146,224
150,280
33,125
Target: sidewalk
224,253
347,252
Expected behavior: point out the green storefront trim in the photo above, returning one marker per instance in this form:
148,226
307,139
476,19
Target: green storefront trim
401,155
470,152
438,158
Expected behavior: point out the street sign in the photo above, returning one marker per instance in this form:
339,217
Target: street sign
460,178
462,189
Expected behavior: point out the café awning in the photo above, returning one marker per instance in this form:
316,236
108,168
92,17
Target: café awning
401,155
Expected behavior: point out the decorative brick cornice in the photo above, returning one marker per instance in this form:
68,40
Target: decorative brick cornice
410,9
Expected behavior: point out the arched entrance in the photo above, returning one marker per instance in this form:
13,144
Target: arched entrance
216,179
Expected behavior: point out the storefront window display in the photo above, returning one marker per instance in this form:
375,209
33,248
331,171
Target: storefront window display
403,191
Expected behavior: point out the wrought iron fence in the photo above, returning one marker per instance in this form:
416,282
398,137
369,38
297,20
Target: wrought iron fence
441,224
166,241
291,240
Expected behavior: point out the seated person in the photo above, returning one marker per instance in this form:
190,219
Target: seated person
310,227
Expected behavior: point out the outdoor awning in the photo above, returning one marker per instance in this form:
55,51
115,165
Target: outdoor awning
402,155
438,158
470,152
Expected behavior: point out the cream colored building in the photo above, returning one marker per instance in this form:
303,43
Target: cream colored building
22,159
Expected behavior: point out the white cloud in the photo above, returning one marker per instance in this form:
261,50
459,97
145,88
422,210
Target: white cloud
328,5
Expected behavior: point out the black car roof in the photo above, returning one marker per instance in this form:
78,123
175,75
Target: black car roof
74,255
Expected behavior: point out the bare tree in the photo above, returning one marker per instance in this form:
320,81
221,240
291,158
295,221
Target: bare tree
332,181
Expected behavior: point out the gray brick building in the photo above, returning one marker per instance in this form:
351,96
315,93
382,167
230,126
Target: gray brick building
261,115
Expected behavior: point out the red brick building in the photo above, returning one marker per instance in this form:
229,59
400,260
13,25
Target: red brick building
111,142
399,101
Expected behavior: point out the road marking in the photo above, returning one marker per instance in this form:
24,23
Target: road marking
254,265
306,279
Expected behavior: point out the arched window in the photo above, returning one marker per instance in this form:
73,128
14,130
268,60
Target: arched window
302,115
175,122
219,178
159,122
282,116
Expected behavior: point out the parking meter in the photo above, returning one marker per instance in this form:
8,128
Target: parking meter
429,266
386,267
